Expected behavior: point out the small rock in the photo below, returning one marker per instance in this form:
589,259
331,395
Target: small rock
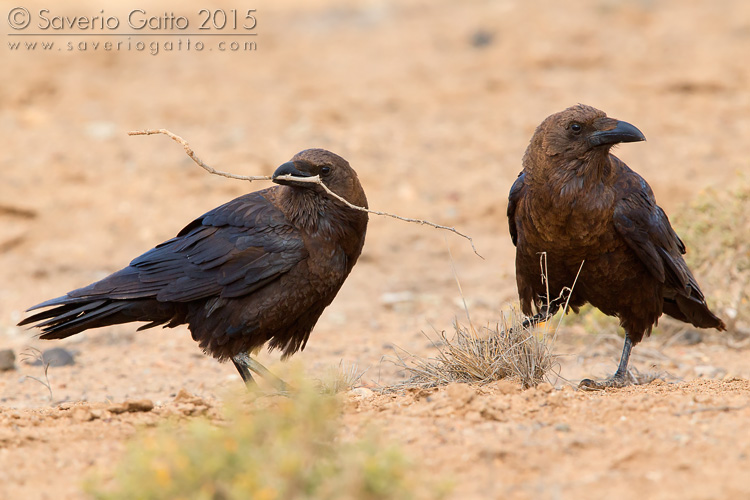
362,392
185,397
117,408
142,405
98,413
7,360
481,38
57,356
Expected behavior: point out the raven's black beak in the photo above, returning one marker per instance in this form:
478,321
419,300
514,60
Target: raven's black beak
623,132
289,168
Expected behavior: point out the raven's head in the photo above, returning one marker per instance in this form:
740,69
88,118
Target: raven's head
580,130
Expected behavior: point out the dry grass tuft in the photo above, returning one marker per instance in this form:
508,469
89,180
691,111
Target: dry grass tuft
509,350
341,378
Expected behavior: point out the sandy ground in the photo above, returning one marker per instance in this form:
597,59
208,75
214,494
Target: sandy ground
433,103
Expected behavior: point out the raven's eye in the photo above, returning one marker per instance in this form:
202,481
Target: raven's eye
325,170
576,128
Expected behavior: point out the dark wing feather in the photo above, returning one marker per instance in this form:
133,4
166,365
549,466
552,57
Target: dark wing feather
230,251
646,229
516,191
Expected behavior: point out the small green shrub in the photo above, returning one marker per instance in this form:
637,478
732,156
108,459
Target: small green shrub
274,448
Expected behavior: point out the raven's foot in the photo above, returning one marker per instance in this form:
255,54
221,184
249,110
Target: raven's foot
622,376
615,382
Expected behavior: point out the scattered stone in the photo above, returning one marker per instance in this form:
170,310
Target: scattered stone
481,38
7,360
57,356
117,408
185,397
98,413
142,405
362,392
190,404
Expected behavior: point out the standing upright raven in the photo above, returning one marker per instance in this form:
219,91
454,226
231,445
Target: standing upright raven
258,269
587,210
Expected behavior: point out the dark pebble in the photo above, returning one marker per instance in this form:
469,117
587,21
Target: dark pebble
7,360
56,356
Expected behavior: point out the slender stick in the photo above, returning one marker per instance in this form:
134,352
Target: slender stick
314,180
197,160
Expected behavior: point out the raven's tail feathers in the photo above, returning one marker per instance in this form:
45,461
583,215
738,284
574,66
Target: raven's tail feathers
74,315
694,311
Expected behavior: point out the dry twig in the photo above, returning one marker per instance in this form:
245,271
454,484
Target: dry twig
314,180
197,160
36,354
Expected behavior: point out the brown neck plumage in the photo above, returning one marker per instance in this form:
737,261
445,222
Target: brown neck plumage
566,174
314,211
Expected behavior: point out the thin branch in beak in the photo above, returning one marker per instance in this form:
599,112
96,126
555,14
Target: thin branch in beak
314,179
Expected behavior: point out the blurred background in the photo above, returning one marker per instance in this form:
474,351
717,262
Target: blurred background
432,102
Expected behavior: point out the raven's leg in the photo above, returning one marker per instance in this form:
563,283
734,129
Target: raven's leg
247,377
620,378
245,364
622,368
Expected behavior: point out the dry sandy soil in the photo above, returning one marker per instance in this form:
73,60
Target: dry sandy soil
433,103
